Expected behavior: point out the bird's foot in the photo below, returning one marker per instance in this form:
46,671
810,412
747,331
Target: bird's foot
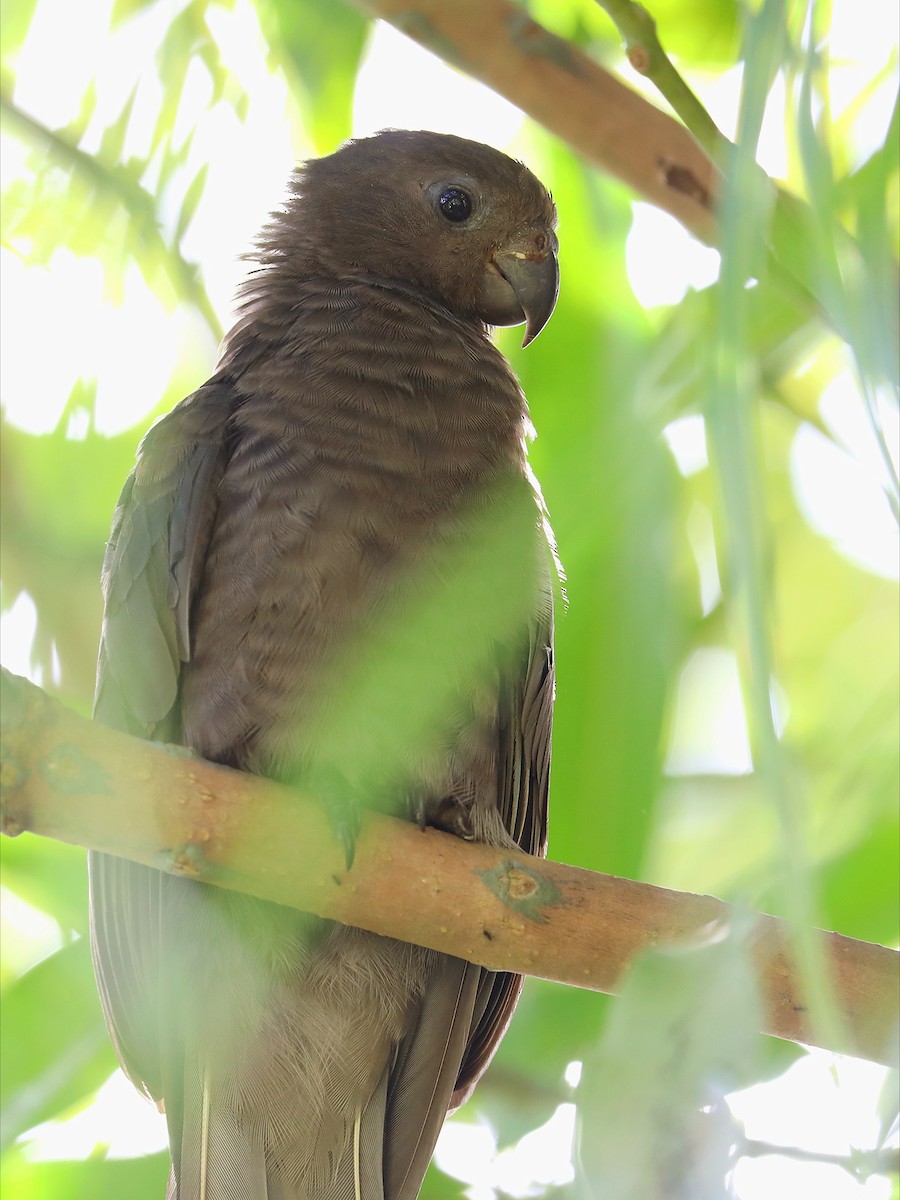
417,808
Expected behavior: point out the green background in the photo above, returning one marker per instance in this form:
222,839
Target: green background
811,832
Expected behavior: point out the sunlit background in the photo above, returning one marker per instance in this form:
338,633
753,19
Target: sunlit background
97,340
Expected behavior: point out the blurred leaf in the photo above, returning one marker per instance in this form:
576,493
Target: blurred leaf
850,275
124,9
45,481
604,381
711,37
524,1085
76,128
100,1179
889,1107
780,333
438,1186
191,200
113,138
859,887
681,1033
607,479
48,1064
318,47
15,21
51,876
554,1026
54,527
462,604
708,38
93,206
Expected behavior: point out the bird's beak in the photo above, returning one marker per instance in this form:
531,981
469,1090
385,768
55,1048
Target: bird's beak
532,271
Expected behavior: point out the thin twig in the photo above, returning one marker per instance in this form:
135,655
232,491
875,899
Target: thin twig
859,1163
560,86
646,55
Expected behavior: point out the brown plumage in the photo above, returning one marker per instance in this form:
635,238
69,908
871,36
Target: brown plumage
357,426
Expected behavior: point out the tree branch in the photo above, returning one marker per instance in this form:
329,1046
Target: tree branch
66,777
646,55
612,126
858,1163
562,88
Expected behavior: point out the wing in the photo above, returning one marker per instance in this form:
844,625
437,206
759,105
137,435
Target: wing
159,535
466,1009
526,721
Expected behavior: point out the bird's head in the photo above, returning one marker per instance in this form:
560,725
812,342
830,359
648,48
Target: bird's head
465,223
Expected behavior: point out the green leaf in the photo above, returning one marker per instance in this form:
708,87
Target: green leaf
48,1066
859,887
113,139
50,876
463,601
111,1179
524,1085
438,1186
318,48
94,207
608,482
123,10
191,199
76,128
15,21
682,1032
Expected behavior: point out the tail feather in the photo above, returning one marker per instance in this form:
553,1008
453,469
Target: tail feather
214,1157
425,1074
256,1145
360,1172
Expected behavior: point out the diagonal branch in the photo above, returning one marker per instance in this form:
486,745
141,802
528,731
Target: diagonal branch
558,85
615,128
66,777
646,55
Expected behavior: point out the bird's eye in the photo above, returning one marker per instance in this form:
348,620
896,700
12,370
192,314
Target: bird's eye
455,204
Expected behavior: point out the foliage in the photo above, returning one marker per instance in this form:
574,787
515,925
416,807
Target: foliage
686,570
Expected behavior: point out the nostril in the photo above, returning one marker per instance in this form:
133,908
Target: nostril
540,243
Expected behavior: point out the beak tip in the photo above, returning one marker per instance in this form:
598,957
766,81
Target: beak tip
539,300
533,283
537,317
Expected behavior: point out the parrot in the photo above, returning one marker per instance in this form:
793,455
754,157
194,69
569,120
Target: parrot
357,426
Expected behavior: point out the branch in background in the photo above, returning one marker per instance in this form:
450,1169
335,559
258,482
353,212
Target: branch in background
69,778
611,126
859,1163
562,88
646,55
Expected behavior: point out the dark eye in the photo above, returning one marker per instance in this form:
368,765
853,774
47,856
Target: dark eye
455,204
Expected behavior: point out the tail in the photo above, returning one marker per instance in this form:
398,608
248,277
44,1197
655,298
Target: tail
213,1156
216,1157
360,1136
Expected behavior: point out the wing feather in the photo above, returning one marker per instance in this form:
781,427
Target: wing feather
149,577
524,747
423,1078
158,544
